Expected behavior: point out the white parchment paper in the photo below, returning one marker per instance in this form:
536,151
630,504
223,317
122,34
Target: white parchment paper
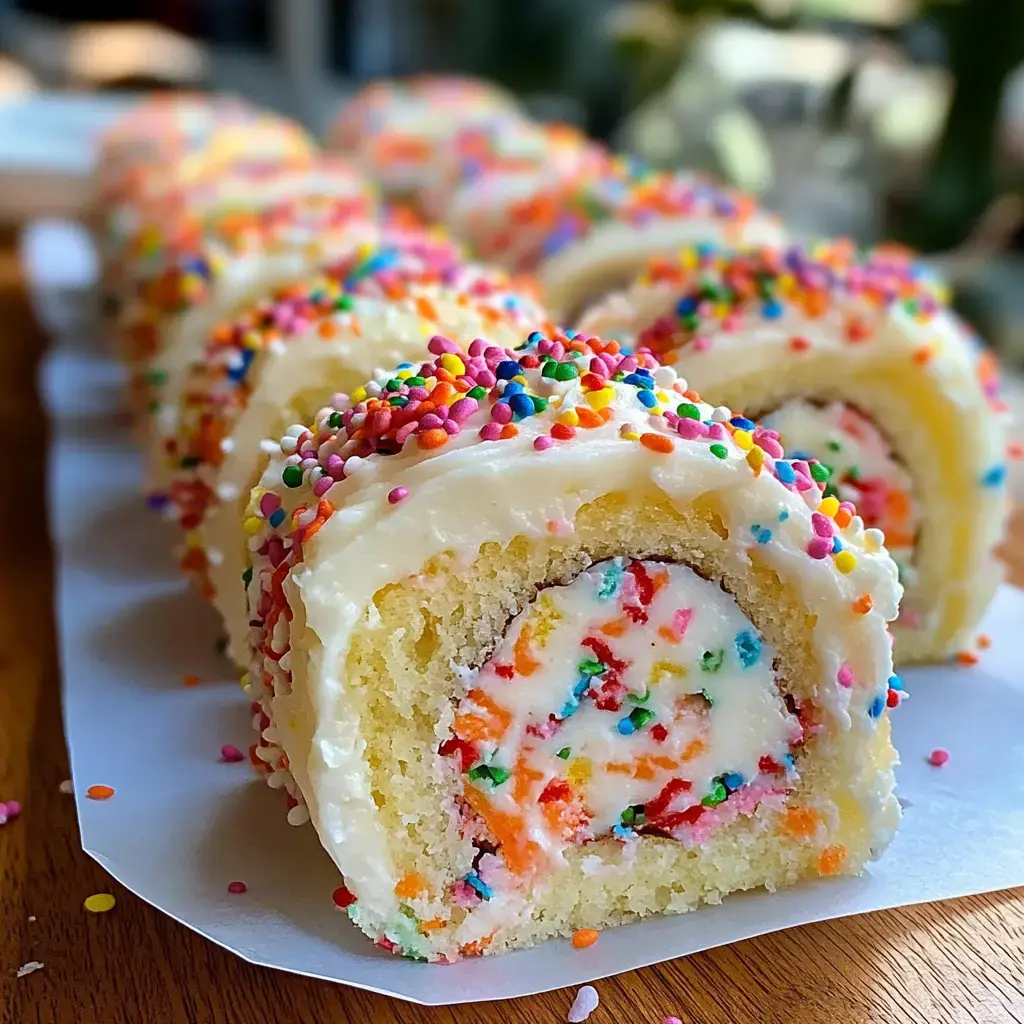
182,825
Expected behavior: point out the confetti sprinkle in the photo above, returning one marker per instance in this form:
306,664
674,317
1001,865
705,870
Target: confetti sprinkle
100,792
99,903
583,1005
938,757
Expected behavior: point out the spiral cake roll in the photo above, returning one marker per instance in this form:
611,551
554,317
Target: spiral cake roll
592,233
506,149
854,359
393,129
260,373
238,259
540,641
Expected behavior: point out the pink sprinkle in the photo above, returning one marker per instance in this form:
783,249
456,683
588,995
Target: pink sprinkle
405,432
439,345
477,347
452,427
701,343
681,621
398,494
323,485
461,410
501,412
237,888
819,547
822,524
543,443
231,754
432,421
938,757
269,504
672,1020
690,429
490,431
845,676
717,432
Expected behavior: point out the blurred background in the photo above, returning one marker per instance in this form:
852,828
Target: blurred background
878,119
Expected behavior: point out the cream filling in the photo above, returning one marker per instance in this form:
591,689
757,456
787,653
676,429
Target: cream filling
470,493
637,696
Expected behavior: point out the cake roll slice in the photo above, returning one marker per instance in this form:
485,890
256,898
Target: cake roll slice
272,368
854,359
588,234
393,129
569,661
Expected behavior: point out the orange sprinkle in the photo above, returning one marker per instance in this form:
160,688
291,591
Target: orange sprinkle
1015,450
606,414
800,821
584,937
693,749
432,438
922,354
842,518
426,308
657,443
509,430
411,886
862,605
433,925
616,627
327,329
190,680
831,860
966,658
618,768
440,393
984,641
587,417
99,792
523,660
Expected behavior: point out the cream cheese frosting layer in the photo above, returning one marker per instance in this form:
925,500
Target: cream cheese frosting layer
367,496
765,327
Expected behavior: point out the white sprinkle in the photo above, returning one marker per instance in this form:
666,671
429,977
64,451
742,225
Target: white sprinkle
30,968
31,918
228,445
227,492
67,787
277,347
665,377
720,414
215,556
299,815
583,1005
269,447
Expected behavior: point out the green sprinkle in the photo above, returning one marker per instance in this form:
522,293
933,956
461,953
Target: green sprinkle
628,817
499,775
247,576
481,771
478,392
539,404
549,369
688,411
415,382
190,462
707,696
833,446
640,717
720,451
292,476
156,377
393,385
711,661
566,371
717,795
398,401
344,302
564,753
820,472
590,667
335,420
641,699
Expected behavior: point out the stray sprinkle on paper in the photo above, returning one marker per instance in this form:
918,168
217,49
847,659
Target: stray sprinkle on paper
938,757
583,1005
99,792
30,968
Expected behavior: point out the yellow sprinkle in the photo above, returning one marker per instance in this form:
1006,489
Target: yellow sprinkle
453,364
598,400
755,458
568,418
99,903
520,379
629,434
846,561
660,669
253,525
405,374
829,507
744,440
359,395
663,397
579,769
193,540
244,681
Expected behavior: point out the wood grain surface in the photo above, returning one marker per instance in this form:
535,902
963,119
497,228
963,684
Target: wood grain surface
959,961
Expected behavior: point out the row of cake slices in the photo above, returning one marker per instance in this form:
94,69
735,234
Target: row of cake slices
525,620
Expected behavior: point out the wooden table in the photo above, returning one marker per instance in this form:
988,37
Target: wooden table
962,960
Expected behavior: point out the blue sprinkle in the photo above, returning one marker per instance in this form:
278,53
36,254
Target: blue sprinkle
621,832
580,688
513,387
895,683
788,760
647,399
507,369
277,517
626,727
772,309
569,708
837,545
610,582
522,405
534,338
643,372
783,516
784,471
994,477
761,533
742,423
238,371
474,880
570,334
404,366
802,455
637,381
877,707
686,305
732,781
748,648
